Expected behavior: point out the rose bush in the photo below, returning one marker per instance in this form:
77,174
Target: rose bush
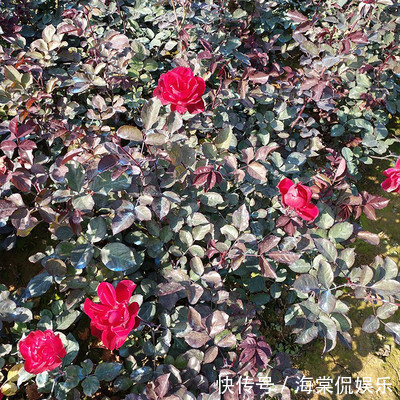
187,200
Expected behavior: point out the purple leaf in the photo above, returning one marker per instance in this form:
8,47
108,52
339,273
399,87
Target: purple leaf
196,339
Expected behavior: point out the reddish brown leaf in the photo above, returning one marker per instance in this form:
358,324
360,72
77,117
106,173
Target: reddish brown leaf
284,257
200,179
6,208
8,145
13,127
27,145
358,37
297,16
369,212
263,152
69,156
266,268
203,170
107,162
257,171
197,339
21,181
268,243
162,385
248,155
369,237
211,180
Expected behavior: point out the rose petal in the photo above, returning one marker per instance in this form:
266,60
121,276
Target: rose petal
197,107
107,294
124,291
309,212
284,185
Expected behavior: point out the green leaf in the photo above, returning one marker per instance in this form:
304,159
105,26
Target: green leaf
108,371
356,92
38,285
327,301
161,206
141,375
104,183
341,231
277,125
82,255
12,74
326,248
118,257
84,203
310,48
186,238
363,80
329,328
150,112
139,50
96,230
90,385
211,199
230,232
256,284
300,266
224,138
174,122
42,379
386,311
371,324
387,287
390,267
196,251
325,274
346,258
72,349
337,130
341,319
394,329
307,335
326,216
129,132
75,176
55,267
240,218
147,311
200,231
66,319
305,283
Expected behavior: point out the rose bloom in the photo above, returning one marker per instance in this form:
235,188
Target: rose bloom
182,90
392,183
42,351
113,318
298,197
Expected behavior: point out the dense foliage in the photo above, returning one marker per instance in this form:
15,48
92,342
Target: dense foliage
215,205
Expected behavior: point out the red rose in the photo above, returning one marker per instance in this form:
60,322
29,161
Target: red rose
298,197
182,90
392,183
42,351
113,319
